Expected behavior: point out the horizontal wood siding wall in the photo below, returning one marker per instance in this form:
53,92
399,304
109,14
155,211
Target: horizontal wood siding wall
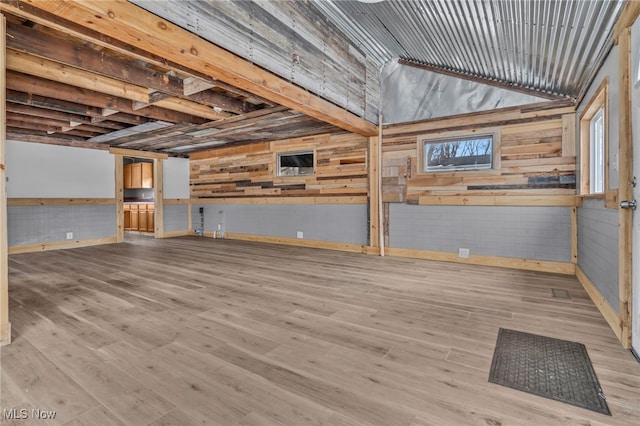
249,171
536,156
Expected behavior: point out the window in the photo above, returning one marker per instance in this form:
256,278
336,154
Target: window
596,151
295,164
594,165
466,153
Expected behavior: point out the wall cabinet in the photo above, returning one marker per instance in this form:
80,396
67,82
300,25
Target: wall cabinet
139,217
138,175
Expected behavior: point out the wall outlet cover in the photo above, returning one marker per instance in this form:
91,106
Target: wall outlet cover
463,252
299,234
69,235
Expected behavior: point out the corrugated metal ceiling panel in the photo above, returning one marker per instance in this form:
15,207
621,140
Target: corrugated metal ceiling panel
552,46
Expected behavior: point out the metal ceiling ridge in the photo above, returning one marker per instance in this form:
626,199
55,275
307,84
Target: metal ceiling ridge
507,85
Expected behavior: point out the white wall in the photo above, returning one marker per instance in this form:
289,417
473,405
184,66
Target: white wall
50,171
176,178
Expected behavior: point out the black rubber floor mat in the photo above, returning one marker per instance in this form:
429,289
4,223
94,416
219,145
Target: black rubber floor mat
547,367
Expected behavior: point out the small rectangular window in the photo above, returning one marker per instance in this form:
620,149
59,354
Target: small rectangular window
469,153
596,151
295,164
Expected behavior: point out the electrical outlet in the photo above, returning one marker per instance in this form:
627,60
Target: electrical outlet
219,227
299,234
69,235
463,252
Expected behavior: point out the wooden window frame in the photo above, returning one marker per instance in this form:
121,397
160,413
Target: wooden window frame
304,151
599,100
453,135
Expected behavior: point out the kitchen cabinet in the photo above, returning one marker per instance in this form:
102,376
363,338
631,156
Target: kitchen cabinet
138,175
139,217
127,217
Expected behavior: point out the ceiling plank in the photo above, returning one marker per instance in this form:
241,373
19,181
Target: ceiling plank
133,25
55,71
28,11
44,103
55,90
28,136
36,42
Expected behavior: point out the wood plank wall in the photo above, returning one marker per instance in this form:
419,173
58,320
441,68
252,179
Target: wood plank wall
249,171
535,156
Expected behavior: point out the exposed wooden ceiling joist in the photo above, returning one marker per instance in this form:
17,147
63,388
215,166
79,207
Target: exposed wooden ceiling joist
118,23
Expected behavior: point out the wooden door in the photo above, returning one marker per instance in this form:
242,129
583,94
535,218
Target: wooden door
127,183
146,175
134,217
127,217
136,175
142,218
150,218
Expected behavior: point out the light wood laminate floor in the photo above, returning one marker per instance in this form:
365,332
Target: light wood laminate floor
201,331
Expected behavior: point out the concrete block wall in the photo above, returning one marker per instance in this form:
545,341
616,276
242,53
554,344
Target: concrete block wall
339,223
28,225
176,217
598,248
536,233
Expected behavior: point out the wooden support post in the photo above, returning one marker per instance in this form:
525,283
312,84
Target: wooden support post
119,198
5,325
158,184
381,220
625,188
374,194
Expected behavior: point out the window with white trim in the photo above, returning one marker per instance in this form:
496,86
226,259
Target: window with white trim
593,159
458,154
596,151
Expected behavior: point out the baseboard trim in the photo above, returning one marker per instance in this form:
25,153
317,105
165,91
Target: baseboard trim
502,262
355,248
30,248
173,234
607,311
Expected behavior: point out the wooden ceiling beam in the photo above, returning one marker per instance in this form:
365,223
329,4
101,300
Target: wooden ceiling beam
39,16
36,42
56,139
55,71
133,25
56,90
54,122
47,113
39,67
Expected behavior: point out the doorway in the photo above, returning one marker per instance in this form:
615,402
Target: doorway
138,198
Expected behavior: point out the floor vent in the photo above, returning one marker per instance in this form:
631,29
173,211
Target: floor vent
560,294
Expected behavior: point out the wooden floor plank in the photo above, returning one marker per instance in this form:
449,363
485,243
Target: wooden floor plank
192,331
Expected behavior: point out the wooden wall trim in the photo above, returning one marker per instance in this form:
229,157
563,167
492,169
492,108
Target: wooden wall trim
61,201
609,314
502,262
374,192
30,248
138,154
282,200
119,176
176,201
625,192
357,248
158,192
497,200
174,234
5,325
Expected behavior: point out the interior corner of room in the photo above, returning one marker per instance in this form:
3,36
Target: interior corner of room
376,137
